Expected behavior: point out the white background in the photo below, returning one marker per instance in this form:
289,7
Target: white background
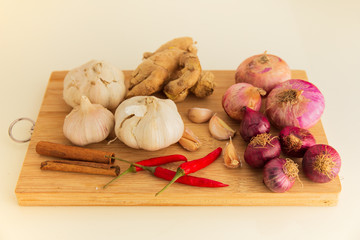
321,37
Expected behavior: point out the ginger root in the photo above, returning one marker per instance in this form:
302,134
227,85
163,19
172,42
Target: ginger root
174,68
204,86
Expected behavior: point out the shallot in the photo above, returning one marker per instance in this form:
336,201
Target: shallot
241,95
295,103
261,149
263,71
321,163
280,174
295,141
253,123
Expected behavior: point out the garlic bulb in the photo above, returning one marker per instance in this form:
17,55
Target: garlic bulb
88,123
147,122
101,82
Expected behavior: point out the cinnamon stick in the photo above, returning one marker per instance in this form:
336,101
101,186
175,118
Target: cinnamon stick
81,167
72,152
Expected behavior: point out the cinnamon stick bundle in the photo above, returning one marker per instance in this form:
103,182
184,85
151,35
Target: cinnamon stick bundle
72,152
81,167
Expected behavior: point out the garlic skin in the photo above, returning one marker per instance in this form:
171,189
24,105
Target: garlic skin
219,129
189,140
88,123
231,156
100,81
199,115
147,122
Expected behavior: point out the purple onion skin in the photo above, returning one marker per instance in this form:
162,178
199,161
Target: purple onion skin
275,178
305,113
310,158
253,123
304,137
256,156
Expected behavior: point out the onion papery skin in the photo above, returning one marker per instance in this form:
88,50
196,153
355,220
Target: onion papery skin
253,123
303,109
312,155
264,71
295,141
256,155
275,177
241,95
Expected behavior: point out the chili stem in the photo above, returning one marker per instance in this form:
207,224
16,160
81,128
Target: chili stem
179,174
130,169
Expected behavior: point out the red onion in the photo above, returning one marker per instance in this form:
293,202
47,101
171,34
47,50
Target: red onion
321,163
280,174
253,123
295,141
263,71
295,103
261,149
240,95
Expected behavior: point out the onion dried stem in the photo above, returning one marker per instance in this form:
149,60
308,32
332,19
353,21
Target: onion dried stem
261,140
291,169
323,164
289,96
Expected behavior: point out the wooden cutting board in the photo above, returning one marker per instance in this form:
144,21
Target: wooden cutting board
37,187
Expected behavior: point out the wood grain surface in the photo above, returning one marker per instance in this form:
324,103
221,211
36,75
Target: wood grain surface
36,187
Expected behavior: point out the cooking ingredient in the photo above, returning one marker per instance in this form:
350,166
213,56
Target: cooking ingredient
174,68
241,95
193,166
263,71
199,115
183,43
152,74
169,175
219,129
178,89
280,174
71,152
150,162
147,122
295,141
189,140
261,149
253,123
205,86
81,167
88,123
188,180
100,81
295,103
321,163
231,156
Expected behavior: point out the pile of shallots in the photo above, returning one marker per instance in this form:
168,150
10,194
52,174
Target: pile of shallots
292,106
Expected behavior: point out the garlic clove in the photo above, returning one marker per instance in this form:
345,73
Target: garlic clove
189,140
88,123
199,115
231,157
219,129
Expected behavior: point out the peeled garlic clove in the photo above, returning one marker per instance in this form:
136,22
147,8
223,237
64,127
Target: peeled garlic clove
189,141
231,157
219,129
88,123
199,115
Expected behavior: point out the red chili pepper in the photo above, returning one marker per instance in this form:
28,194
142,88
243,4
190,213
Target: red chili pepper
188,180
193,166
160,161
150,162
